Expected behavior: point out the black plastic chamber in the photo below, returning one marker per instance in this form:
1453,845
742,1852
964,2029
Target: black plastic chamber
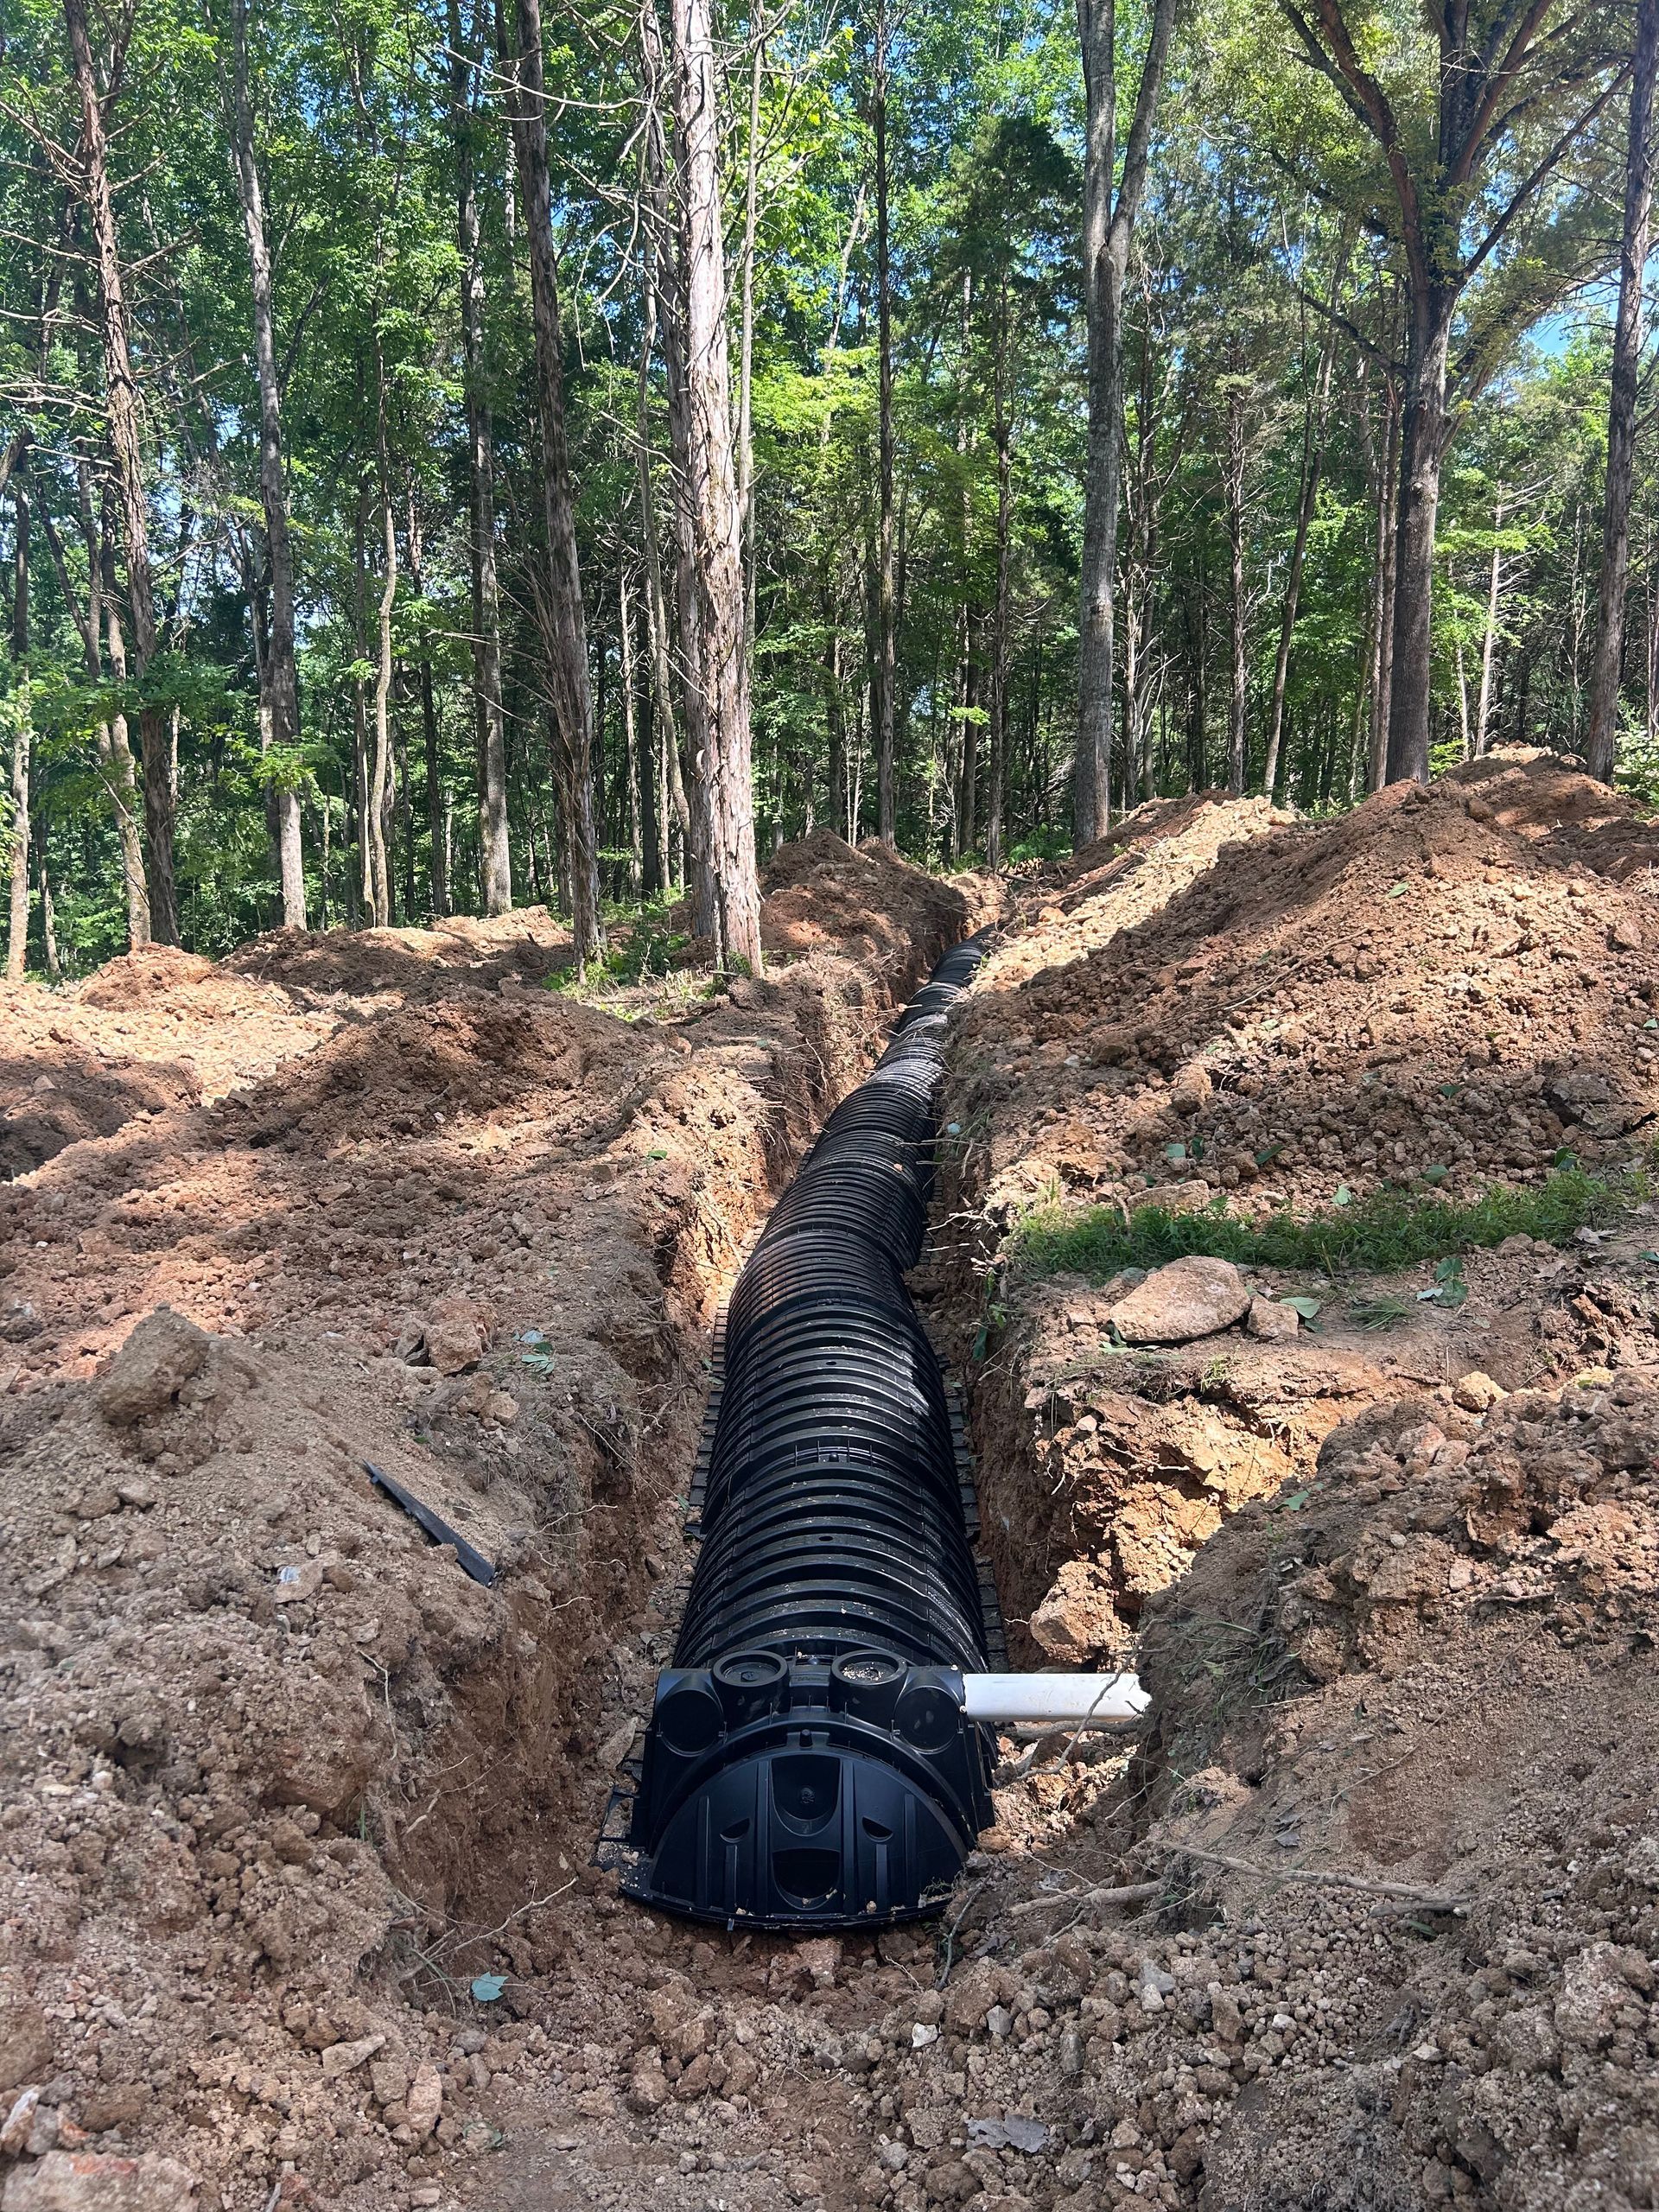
807,1763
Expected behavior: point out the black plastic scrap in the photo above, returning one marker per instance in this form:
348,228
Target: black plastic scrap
472,1560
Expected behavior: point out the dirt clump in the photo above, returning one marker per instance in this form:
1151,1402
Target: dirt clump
412,966
866,903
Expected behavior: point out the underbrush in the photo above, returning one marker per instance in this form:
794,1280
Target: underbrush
1386,1230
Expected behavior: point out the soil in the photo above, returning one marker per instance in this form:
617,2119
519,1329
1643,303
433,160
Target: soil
1368,1916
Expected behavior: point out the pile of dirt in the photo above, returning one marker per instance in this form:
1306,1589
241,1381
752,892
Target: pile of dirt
867,904
1435,982
413,965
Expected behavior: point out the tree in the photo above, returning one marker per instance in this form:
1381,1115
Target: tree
726,839
1602,732
1110,207
1469,143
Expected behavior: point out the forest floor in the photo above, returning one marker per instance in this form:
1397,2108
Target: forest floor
280,1781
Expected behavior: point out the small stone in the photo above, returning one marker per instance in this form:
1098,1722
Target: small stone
1476,1393
1190,1298
1272,1320
455,1334
427,2193
19,2123
66,2181
152,1366
921,2036
1000,2021
425,2100
342,2058
648,2084
25,2042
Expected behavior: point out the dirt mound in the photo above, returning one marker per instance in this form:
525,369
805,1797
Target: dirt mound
1425,1670
147,973
415,964
65,1093
471,1058
1415,986
820,894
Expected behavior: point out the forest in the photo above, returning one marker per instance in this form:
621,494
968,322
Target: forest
452,459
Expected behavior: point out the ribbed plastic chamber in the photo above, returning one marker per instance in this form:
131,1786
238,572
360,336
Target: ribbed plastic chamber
807,1763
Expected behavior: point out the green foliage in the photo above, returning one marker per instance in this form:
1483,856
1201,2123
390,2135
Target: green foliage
1381,1233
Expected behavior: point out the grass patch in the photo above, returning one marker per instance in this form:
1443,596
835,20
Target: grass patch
1389,1231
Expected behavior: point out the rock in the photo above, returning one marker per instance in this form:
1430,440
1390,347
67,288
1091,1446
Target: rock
158,1358
998,2022
19,2123
648,2084
1272,1320
25,2042
1011,2134
342,2058
66,2181
1625,937
1153,1984
388,2079
1476,1393
1191,1091
1189,1298
820,1957
425,2100
1594,1990
921,2035
115,2107
1174,1198
1077,1618
455,1335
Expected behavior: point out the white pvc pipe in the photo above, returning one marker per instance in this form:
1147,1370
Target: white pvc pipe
1057,1701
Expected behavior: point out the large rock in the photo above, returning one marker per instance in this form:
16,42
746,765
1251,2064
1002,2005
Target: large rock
1189,1298
25,2041
83,2181
1077,1618
151,1368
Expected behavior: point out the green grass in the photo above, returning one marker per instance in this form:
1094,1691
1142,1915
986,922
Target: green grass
1390,1229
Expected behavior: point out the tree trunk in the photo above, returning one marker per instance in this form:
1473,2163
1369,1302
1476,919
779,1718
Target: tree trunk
1386,546
1238,669
1488,643
379,781
745,357
1422,449
280,692
968,805
572,700
127,446
660,868
1601,737
885,657
999,725
495,852
1107,228
630,735
835,715
122,774
1313,421
727,809
439,866
23,732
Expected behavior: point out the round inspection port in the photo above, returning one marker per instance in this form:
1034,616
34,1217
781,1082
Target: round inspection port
749,1683
867,1669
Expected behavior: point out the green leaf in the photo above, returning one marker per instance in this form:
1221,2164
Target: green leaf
1296,1501
661,1153
1267,1154
1345,1197
1398,890
487,1987
1307,1308
1175,1152
1435,1174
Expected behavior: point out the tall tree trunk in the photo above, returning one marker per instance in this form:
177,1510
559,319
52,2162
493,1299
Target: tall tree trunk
727,809
1602,735
1489,637
379,790
279,689
1386,548
1313,422
835,714
658,869
127,446
436,808
886,662
1109,220
495,852
1238,659
670,297
122,771
996,800
629,735
968,804
746,354
572,699
23,732
1422,450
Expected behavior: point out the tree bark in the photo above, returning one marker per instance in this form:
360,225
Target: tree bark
996,798
1422,449
379,780
127,446
727,798
494,848
23,732
1382,648
886,665
1313,421
1488,639
280,691
1109,220
1233,467
572,699
1601,737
